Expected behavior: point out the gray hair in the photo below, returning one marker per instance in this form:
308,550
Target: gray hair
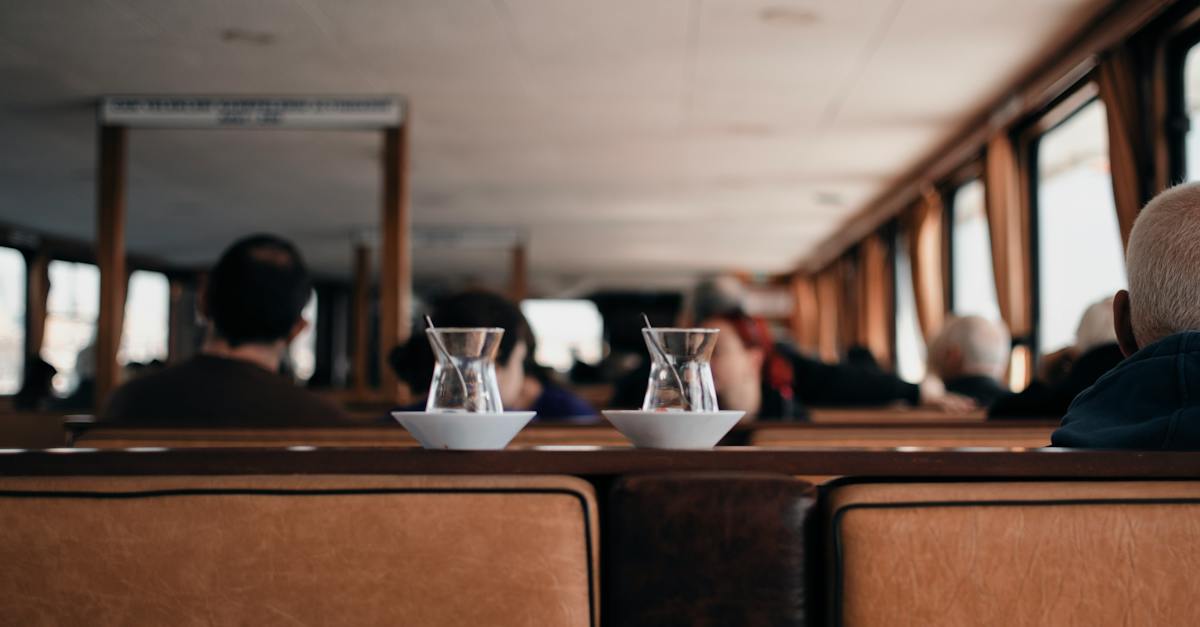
1163,262
983,344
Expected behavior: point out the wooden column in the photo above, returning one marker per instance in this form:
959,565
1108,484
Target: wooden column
110,256
361,318
37,282
518,287
395,274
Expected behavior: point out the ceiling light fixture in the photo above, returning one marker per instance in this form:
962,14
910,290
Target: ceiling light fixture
251,37
789,16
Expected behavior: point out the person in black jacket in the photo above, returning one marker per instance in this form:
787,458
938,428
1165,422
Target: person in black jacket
1063,375
753,374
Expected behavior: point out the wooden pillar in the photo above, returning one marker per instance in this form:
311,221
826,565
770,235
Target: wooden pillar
361,318
37,282
110,256
518,288
395,274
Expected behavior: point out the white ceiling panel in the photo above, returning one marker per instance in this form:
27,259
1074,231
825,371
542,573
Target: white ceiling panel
629,143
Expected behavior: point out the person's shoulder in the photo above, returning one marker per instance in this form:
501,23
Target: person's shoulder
131,397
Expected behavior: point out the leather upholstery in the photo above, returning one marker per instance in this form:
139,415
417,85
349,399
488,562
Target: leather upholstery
707,549
298,550
1020,553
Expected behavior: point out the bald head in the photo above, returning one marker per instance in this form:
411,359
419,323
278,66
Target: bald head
970,346
1163,261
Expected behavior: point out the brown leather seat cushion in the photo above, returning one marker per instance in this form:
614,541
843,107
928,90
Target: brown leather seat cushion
298,550
707,549
1020,553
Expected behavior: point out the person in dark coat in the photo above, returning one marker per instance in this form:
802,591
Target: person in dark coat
1151,401
1064,374
754,374
252,302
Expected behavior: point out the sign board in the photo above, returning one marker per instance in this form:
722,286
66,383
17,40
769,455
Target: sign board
290,112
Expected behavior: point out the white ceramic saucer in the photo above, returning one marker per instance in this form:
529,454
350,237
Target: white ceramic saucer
464,431
674,429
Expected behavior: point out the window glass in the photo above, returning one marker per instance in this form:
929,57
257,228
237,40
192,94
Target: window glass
1080,256
566,330
303,351
71,311
1191,96
910,345
974,283
147,322
12,320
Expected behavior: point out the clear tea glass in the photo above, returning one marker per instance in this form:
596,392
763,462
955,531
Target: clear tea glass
464,379
680,372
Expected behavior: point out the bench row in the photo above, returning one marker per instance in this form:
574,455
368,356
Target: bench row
710,548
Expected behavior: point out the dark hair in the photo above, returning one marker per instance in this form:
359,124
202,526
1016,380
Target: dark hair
257,290
413,362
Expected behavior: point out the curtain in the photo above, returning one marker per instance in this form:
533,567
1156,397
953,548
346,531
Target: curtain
849,307
36,294
1008,227
925,243
1126,140
875,298
805,320
828,301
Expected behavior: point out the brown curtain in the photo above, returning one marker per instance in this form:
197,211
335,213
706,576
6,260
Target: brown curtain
828,304
38,290
925,252
849,308
1126,140
1007,226
805,320
875,298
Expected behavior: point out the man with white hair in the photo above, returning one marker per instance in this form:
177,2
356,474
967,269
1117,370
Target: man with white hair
970,355
1152,399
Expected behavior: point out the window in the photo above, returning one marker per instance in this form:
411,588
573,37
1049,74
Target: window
566,330
1080,256
1191,103
303,351
147,323
71,311
910,344
973,281
12,320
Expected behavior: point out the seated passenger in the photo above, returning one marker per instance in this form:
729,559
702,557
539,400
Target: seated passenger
1151,401
252,305
970,355
519,389
753,375
1066,373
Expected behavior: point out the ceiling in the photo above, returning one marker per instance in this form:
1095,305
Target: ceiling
629,143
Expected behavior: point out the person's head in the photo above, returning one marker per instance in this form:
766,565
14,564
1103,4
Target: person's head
1163,261
713,296
414,361
970,346
744,356
255,293
1096,327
